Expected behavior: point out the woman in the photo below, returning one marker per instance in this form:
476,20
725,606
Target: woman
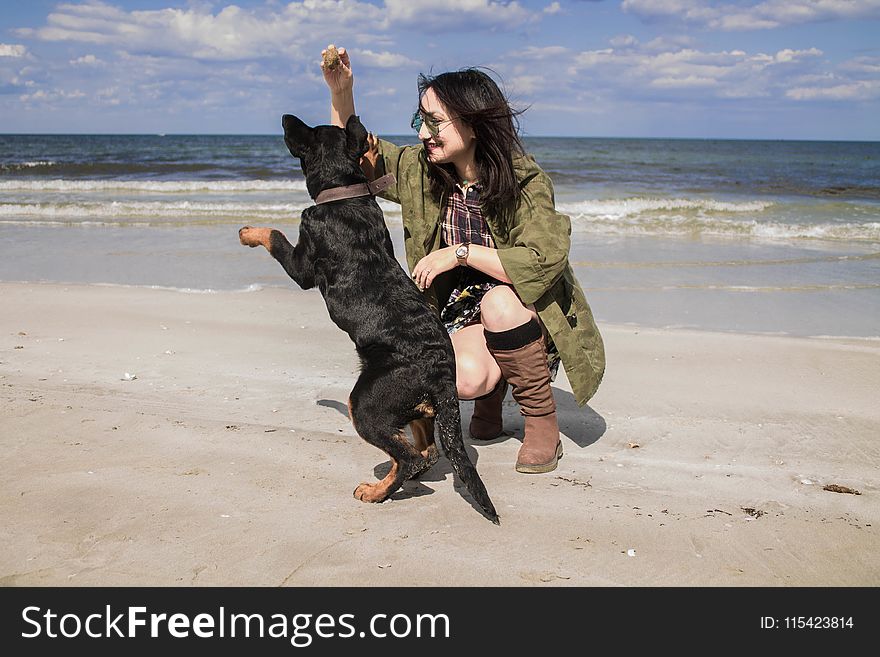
486,245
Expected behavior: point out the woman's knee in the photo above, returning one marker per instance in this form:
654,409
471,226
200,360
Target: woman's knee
502,310
472,376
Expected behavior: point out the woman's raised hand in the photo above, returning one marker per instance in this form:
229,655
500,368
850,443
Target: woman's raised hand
338,77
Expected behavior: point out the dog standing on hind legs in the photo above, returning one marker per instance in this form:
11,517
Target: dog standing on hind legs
407,362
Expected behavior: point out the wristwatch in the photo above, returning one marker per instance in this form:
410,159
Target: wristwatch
462,253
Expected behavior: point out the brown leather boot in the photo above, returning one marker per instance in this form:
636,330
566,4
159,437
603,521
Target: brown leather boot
522,357
486,421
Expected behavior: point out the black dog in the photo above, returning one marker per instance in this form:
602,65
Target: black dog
407,361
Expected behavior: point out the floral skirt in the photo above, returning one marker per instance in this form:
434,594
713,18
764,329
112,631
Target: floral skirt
463,309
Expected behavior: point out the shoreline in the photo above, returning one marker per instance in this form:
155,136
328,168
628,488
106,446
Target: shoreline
729,285
227,457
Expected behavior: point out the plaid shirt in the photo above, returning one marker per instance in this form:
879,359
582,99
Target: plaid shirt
463,220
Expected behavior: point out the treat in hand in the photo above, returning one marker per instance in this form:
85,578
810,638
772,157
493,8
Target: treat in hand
331,58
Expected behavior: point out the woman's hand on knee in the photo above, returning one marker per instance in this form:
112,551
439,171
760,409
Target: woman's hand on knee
432,265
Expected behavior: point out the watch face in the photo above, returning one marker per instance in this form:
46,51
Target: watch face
461,251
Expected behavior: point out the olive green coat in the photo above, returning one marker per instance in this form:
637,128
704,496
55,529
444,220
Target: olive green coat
534,254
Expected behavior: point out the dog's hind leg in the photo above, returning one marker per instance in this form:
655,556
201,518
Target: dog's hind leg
404,459
381,427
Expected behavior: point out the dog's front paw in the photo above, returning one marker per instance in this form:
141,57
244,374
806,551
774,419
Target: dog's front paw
252,237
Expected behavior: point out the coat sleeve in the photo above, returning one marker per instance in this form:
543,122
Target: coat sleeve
539,241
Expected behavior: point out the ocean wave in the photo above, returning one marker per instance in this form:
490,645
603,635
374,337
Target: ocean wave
152,186
695,217
138,213
621,208
120,168
253,287
81,224
850,191
844,231
692,226
180,209
20,166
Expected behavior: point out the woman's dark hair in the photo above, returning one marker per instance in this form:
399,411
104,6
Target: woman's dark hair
474,97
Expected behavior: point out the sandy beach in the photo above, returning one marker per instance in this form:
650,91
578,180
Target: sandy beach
156,437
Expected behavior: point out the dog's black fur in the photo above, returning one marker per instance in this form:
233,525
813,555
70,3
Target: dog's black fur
407,361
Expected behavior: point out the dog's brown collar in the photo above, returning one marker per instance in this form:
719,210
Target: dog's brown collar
353,191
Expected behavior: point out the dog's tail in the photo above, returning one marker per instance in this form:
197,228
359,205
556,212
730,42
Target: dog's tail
449,432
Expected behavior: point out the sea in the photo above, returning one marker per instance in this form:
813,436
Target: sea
769,237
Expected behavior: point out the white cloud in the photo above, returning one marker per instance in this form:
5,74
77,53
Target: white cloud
383,59
729,73
747,15
530,69
234,33
380,91
460,14
231,34
553,8
542,53
788,55
849,91
43,96
661,71
684,82
526,84
108,96
665,43
624,41
862,65
12,50
86,60
854,80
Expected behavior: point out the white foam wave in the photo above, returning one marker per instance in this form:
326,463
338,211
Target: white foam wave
662,216
79,224
152,186
180,209
690,226
253,287
866,231
630,207
13,166
117,213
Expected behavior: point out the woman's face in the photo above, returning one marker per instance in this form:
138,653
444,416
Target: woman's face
454,139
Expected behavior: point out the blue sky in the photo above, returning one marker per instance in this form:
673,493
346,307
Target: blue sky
769,69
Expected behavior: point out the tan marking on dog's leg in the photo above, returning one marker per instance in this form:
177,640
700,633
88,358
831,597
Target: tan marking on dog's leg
423,434
426,409
251,236
415,464
423,439
379,491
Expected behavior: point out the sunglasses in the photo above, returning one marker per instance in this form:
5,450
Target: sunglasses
419,119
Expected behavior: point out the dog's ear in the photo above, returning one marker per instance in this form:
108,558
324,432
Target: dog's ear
357,136
297,135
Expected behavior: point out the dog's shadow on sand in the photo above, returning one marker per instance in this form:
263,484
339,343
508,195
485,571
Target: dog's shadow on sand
583,426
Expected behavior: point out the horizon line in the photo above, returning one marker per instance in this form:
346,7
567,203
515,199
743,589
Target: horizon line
407,135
